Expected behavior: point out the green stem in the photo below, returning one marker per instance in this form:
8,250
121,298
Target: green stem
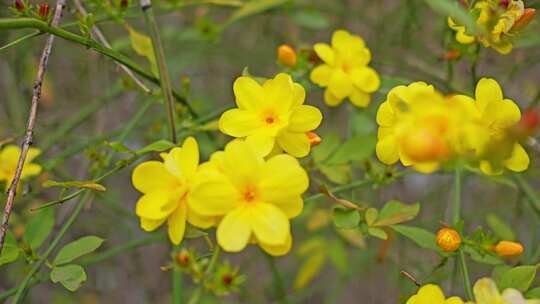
474,65
177,286
277,282
19,23
533,198
78,208
163,72
465,274
196,296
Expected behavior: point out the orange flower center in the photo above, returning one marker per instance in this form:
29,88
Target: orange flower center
250,194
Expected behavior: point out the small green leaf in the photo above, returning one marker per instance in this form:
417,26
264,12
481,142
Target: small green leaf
421,237
339,174
533,293
520,278
142,45
77,249
309,269
71,276
253,7
378,233
157,146
75,184
371,216
500,228
119,147
311,19
193,232
11,251
481,256
330,143
339,257
355,149
395,212
39,227
346,218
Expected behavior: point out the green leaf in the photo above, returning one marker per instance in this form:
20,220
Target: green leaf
157,146
482,256
39,227
378,233
346,218
395,212
77,249
11,251
71,276
451,8
520,278
119,147
339,174
421,237
363,123
311,19
309,269
498,271
355,149
193,232
339,257
142,45
253,7
330,143
75,184
371,216
533,293
500,228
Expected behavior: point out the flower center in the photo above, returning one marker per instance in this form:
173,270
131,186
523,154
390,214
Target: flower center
249,194
270,120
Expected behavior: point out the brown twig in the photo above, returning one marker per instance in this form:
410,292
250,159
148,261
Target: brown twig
410,277
103,40
27,141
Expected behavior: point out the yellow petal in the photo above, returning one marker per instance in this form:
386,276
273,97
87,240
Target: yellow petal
331,100
278,250
242,161
454,300
152,175
282,178
261,143
360,98
304,118
155,205
487,91
291,206
502,114
486,292
340,84
269,223
299,94
279,91
325,52
212,194
431,294
519,160
320,75
345,42
234,231
201,221
30,170
387,150
385,115
177,224
487,168
366,79
183,162
151,225
239,123
296,144
249,93
32,153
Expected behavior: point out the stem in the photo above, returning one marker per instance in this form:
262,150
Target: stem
474,64
533,198
177,286
456,218
196,296
87,195
28,137
277,282
165,81
16,23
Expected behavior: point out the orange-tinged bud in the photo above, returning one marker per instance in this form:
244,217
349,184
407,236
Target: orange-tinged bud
452,55
448,239
183,259
19,5
286,55
524,20
314,139
529,122
423,145
43,10
508,249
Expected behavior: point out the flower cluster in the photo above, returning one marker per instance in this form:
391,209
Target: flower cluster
485,292
344,72
499,22
250,190
9,157
424,129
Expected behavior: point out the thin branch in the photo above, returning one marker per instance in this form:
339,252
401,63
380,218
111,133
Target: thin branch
103,40
25,146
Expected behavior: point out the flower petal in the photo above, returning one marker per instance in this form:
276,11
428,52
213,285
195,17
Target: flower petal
183,162
212,194
242,161
282,178
201,221
487,91
387,150
30,170
278,91
366,79
151,225
278,250
261,143
325,52
519,160
320,75
296,144
155,205
385,115
305,118
299,94
152,175
291,206
330,99
269,223
234,231
486,292
340,84
249,93
360,98
239,123
177,224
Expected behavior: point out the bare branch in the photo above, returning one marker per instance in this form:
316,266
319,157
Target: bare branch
27,141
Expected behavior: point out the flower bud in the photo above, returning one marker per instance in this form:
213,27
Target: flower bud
530,121
448,239
507,249
286,55
124,4
19,5
183,259
452,55
43,10
524,20
314,139
422,145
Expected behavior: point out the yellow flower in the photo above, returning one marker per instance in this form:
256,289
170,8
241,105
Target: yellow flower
497,116
255,197
9,157
460,30
271,115
166,190
432,294
486,292
344,72
448,239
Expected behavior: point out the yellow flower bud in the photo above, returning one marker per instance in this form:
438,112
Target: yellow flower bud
286,55
448,239
507,249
